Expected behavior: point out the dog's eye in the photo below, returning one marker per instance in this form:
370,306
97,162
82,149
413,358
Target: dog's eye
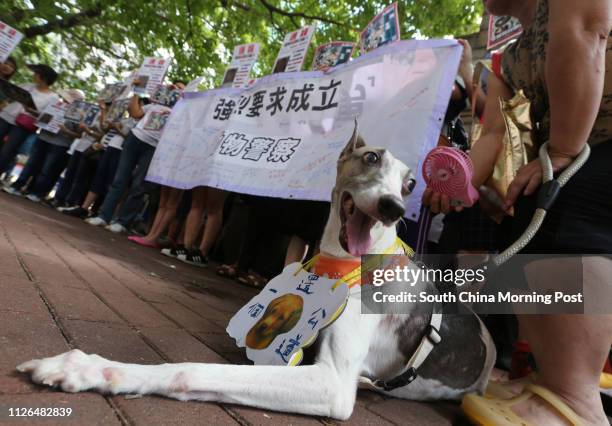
408,186
370,158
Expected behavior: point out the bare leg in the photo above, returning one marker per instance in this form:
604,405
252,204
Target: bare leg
161,211
195,216
214,221
570,350
171,199
90,199
296,250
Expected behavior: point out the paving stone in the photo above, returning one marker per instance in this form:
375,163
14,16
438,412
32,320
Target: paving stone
153,410
79,304
411,412
180,346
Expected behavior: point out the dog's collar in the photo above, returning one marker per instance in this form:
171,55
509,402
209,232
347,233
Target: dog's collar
349,271
429,341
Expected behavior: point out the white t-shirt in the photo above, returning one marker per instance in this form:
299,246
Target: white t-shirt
150,127
41,100
114,139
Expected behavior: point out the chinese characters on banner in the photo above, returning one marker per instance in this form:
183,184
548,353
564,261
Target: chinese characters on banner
331,54
502,29
306,302
150,75
9,39
282,136
383,28
292,53
52,117
243,59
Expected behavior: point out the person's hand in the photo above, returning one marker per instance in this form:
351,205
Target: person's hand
466,56
102,104
529,178
97,146
5,69
83,127
438,203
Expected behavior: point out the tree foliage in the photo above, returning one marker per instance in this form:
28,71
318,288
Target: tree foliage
96,41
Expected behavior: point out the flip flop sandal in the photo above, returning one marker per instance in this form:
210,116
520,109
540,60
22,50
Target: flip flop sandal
228,271
489,412
507,389
142,242
252,280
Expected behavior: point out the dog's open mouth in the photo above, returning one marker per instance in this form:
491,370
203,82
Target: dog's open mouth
356,225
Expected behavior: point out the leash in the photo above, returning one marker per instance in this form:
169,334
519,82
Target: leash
547,195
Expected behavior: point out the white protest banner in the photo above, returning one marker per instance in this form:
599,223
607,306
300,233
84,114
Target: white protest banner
9,39
52,117
194,85
292,53
243,59
150,75
282,136
502,29
383,28
329,55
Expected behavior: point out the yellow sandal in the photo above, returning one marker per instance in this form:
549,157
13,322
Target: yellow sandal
507,389
498,412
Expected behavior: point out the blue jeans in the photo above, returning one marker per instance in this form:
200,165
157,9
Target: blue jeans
71,170
134,163
44,166
16,136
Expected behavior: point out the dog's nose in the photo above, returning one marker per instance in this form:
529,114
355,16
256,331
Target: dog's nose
390,208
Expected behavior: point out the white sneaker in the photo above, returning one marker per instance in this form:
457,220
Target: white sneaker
11,190
33,198
116,228
96,221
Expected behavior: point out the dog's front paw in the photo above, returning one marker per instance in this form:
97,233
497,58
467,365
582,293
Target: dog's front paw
72,371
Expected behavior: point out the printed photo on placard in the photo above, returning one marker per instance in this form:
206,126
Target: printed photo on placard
117,110
150,75
156,121
140,83
502,29
166,95
76,111
332,54
112,92
383,29
230,75
280,65
91,114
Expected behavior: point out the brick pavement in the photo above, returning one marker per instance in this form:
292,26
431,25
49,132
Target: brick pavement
65,284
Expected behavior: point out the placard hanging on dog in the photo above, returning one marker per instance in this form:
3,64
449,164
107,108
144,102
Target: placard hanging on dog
150,75
52,117
287,316
383,29
243,59
329,55
9,39
293,52
282,136
502,29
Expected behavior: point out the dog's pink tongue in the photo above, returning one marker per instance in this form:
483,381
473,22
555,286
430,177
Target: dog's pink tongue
358,228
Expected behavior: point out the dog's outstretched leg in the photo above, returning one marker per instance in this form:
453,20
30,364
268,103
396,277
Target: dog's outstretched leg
326,389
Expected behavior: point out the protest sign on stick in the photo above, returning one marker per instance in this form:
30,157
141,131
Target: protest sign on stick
292,53
282,136
150,75
243,59
52,117
9,39
329,55
502,29
383,29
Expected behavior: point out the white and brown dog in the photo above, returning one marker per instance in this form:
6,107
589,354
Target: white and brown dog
421,355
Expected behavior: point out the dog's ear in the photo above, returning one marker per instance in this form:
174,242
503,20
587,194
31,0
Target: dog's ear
354,142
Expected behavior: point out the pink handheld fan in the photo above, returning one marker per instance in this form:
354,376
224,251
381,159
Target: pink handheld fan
449,171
